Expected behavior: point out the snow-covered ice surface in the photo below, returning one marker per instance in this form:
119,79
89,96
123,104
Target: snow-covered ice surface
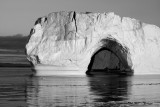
70,39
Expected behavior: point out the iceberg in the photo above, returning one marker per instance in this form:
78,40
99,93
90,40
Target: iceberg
75,43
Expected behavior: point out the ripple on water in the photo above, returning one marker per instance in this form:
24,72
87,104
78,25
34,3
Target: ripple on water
94,91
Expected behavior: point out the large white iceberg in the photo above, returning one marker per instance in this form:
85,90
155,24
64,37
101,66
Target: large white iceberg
69,41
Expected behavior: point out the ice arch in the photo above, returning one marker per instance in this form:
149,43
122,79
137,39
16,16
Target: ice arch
111,56
68,40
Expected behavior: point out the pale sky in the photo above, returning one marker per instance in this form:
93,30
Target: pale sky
18,16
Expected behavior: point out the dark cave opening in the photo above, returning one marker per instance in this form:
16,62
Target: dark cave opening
110,59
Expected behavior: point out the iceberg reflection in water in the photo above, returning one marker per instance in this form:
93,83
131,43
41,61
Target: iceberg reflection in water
74,91
98,90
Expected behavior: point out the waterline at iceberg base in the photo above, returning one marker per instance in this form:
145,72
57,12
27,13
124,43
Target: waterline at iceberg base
50,70
72,43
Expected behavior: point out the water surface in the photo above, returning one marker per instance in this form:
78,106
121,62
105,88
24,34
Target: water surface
19,89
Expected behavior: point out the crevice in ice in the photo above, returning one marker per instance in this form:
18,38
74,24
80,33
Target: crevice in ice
74,17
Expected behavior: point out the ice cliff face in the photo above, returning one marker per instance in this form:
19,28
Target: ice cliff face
71,39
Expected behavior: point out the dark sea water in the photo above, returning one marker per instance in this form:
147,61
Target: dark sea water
19,89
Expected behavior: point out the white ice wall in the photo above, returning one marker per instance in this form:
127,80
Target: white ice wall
70,39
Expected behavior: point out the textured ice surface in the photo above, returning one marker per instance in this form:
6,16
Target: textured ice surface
70,39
